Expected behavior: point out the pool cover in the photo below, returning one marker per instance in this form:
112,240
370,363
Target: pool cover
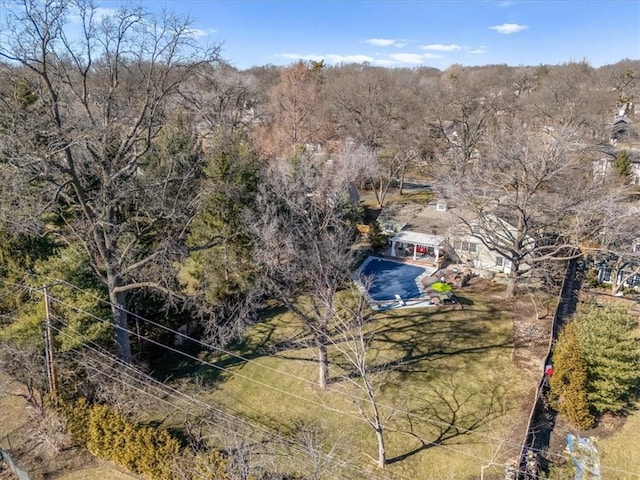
388,279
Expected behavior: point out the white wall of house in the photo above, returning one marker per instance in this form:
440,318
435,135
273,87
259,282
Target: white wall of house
604,165
471,250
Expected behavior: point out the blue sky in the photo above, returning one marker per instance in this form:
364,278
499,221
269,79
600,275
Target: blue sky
405,33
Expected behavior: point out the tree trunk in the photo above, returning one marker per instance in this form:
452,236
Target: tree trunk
382,454
323,378
617,280
513,280
401,185
120,324
615,286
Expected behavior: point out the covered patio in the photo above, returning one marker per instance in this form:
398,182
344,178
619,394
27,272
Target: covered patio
419,247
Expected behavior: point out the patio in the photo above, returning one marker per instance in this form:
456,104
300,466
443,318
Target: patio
418,248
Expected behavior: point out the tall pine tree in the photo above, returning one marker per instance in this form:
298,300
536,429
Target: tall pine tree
611,351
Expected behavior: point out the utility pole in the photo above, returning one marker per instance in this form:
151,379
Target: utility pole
48,341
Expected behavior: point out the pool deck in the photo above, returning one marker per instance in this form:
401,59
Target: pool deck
419,261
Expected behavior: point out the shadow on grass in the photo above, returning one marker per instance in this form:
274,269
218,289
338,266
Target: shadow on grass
414,338
452,413
209,365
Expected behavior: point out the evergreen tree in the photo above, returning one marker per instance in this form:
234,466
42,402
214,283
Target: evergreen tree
623,166
611,351
220,270
569,380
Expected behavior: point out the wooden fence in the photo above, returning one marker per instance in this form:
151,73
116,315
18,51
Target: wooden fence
542,418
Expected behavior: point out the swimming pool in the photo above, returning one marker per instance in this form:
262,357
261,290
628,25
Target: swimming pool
388,278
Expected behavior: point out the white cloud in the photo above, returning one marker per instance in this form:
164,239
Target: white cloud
296,56
478,51
386,42
332,58
99,14
380,42
508,28
199,33
439,47
384,63
104,12
329,58
414,58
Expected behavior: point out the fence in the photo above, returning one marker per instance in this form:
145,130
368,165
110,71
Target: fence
542,417
6,457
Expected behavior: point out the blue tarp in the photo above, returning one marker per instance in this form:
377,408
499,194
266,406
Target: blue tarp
586,458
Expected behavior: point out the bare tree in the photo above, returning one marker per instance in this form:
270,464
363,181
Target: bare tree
221,99
320,451
295,111
521,197
26,364
373,108
615,248
462,113
95,144
305,228
363,380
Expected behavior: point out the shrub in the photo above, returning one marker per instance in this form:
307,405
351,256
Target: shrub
611,353
107,434
591,278
568,383
377,238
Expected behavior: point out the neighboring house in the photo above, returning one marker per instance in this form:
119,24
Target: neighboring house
621,130
605,165
627,276
471,250
624,131
604,276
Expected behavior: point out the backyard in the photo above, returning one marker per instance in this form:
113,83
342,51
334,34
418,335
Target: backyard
454,399
457,390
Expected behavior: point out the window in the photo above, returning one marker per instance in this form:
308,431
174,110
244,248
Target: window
500,261
632,281
605,274
465,247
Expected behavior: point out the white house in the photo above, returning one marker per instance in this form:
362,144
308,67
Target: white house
605,165
469,248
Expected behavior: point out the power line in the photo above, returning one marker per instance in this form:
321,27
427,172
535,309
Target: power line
438,423
282,391
193,401
428,420
435,422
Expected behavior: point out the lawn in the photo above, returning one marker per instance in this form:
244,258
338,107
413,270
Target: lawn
620,451
450,390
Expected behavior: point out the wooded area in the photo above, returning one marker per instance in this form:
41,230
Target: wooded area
144,178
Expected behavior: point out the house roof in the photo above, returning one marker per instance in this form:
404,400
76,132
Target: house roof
417,238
